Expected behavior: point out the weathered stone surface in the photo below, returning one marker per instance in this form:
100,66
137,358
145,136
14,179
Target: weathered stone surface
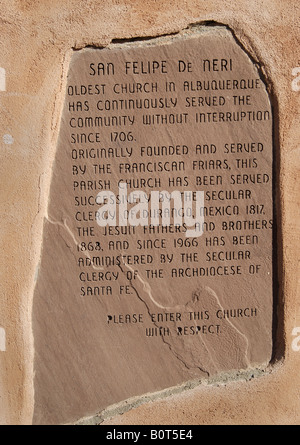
36,47
186,307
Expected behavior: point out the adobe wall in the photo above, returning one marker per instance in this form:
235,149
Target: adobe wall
38,39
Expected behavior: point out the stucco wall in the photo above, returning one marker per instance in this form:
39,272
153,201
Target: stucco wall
36,46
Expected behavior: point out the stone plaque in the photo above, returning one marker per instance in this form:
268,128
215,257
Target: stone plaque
156,265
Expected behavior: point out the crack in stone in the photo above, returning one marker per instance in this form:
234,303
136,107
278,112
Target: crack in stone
145,284
147,288
212,292
202,339
77,243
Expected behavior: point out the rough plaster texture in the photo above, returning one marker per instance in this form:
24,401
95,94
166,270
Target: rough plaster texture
36,45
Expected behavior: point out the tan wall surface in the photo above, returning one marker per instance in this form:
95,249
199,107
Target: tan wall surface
36,45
